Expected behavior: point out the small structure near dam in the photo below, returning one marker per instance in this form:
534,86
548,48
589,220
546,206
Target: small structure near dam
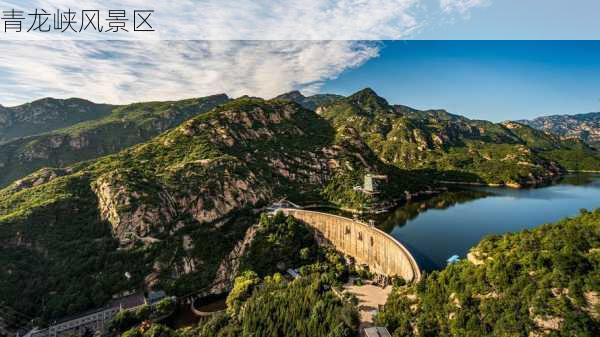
368,245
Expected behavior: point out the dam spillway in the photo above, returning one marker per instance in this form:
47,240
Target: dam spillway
366,244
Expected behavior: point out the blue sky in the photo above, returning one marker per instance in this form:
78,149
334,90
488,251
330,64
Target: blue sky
519,19
494,80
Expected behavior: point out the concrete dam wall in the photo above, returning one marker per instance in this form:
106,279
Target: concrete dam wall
366,244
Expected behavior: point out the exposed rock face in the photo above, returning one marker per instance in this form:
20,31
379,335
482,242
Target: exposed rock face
232,184
229,267
582,126
125,208
475,258
40,177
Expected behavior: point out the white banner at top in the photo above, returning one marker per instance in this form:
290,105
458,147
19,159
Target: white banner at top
223,19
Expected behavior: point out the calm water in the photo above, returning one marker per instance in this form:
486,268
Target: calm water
453,222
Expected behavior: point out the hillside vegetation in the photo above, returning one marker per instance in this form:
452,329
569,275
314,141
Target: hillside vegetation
47,114
276,305
458,148
178,211
170,211
105,130
540,282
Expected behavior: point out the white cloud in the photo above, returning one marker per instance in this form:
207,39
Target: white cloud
250,19
122,72
200,62
461,6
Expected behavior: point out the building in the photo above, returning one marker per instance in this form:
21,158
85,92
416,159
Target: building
155,297
373,183
376,331
293,273
93,321
453,259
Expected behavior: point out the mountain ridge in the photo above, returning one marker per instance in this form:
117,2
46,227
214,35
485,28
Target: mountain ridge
47,114
585,126
172,209
123,126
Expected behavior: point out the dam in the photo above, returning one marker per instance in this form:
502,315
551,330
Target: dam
367,244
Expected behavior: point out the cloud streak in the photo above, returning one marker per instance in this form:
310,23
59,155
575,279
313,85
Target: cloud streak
202,47
461,6
122,72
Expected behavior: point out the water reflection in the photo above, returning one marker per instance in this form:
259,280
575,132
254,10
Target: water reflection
409,211
454,221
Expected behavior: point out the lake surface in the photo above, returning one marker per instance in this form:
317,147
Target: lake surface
455,221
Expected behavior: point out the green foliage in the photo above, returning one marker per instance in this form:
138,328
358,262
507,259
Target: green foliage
104,130
302,307
60,257
537,274
165,307
456,148
242,289
125,321
279,241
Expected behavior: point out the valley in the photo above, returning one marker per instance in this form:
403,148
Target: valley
172,196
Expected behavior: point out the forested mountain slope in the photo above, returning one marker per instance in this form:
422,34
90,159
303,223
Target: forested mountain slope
508,153
113,130
47,114
540,282
174,211
585,127
170,210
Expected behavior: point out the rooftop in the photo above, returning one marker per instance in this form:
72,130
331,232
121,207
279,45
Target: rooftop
377,331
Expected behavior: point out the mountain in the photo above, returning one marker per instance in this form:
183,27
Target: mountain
176,211
407,138
114,130
582,126
47,114
310,102
539,282
171,211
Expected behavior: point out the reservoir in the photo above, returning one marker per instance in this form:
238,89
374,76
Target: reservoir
454,221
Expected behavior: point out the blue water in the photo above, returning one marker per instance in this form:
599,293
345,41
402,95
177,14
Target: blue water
451,223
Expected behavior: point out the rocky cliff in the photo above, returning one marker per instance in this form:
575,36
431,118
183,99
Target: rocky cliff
171,211
174,211
585,127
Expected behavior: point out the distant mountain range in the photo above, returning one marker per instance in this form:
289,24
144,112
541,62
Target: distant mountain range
56,133
47,114
582,126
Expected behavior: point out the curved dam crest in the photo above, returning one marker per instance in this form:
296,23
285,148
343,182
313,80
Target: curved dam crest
366,244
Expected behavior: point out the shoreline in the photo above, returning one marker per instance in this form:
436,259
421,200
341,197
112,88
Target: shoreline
393,203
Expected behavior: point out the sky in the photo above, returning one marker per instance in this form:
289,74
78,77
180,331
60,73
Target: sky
519,19
267,47
493,80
